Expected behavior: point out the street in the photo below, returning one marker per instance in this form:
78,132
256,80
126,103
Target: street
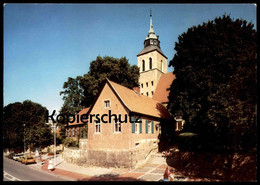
15,171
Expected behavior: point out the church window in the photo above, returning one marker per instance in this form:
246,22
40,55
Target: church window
152,83
142,85
152,92
143,65
161,65
146,84
150,63
147,94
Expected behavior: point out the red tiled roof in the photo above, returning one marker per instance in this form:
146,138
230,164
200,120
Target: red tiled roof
161,92
137,89
139,103
83,111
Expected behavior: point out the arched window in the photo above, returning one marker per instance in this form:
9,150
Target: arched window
143,65
150,63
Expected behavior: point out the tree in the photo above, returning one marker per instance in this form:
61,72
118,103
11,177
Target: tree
81,91
215,86
72,96
36,132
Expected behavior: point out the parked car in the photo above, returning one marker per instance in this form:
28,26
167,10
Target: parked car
17,156
28,160
20,158
10,156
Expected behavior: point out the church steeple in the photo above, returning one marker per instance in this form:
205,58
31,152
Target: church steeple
151,61
151,31
151,38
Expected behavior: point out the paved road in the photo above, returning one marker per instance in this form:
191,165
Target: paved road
15,171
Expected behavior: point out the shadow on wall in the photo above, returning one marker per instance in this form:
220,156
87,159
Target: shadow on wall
167,137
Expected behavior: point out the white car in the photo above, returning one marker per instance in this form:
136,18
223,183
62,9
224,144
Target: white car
17,156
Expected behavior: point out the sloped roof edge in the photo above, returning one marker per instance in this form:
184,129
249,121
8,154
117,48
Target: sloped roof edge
150,49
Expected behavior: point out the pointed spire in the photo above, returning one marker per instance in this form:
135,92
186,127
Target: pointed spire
151,30
151,33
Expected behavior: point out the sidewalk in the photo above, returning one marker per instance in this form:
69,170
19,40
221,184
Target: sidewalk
153,170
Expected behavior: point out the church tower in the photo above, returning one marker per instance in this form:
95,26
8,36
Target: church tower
151,62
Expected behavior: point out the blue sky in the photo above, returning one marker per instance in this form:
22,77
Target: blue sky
44,44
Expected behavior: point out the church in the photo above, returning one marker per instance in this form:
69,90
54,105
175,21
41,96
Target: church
129,144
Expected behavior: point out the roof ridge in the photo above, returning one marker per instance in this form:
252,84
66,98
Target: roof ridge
117,92
140,95
137,103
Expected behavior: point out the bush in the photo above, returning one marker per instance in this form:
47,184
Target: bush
52,153
69,142
188,141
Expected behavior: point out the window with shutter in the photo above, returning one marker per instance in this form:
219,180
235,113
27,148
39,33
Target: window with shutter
136,128
140,125
146,126
133,124
149,126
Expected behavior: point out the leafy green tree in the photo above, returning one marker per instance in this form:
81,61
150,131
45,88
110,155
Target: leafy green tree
35,131
81,91
215,86
72,96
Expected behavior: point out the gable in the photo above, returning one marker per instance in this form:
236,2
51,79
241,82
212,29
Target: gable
116,105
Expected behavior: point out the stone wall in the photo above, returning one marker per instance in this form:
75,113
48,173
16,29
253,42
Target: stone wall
77,156
123,158
143,152
109,158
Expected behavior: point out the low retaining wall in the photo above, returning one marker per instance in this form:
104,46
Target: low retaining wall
143,151
111,158
77,156
124,159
